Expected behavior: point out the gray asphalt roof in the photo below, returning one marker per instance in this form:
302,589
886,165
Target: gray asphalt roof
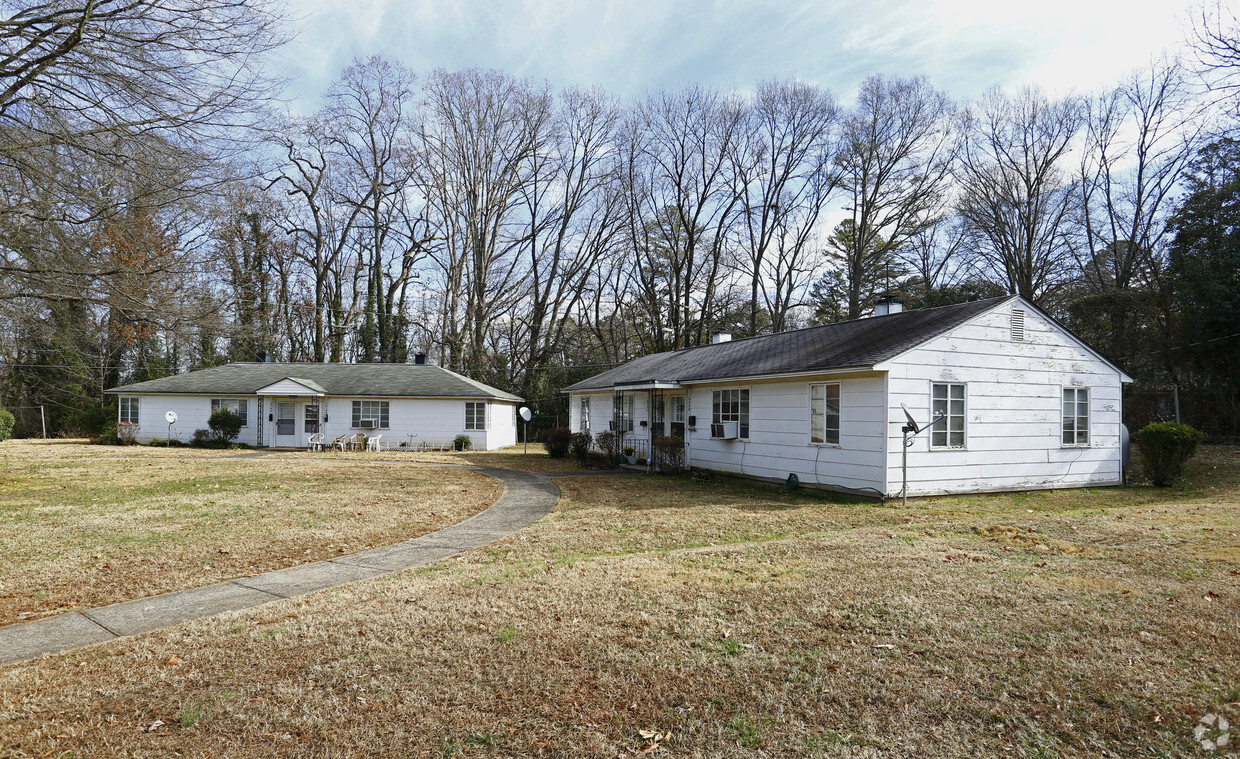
372,380
855,344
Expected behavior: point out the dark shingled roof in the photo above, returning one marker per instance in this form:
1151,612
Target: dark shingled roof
855,344
371,380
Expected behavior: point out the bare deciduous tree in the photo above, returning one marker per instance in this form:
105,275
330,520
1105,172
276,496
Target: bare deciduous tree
1016,197
784,177
894,162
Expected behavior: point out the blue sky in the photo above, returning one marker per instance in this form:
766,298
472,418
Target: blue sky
633,47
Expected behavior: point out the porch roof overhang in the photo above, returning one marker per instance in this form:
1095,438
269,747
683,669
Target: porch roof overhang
620,387
292,386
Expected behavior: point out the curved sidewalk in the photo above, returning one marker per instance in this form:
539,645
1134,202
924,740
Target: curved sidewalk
526,499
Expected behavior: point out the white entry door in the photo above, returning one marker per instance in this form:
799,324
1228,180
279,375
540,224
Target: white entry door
286,425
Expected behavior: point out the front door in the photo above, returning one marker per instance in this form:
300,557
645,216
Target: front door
286,425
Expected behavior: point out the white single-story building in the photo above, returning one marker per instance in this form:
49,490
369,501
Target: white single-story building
1022,403
281,405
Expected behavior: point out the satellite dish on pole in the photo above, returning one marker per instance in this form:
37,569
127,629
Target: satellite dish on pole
526,415
912,423
171,416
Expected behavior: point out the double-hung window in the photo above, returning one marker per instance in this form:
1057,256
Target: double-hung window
239,406
824,413
129,411
622,412
731,405
677,412
585,415
1075,416
947,401
475,415
370,415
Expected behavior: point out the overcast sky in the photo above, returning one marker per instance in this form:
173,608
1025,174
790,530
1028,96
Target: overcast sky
637,46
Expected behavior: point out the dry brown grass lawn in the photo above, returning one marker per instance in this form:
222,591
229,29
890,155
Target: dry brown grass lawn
514,457
739,620
91,525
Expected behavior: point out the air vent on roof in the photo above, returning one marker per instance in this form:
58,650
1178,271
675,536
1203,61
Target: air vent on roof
1018,324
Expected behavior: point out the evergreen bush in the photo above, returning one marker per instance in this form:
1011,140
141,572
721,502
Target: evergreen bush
225,426
1165,448
6,424
557,440
462,443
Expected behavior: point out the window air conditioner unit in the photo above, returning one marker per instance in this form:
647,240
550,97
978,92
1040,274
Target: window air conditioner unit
368,424
612,425
725,430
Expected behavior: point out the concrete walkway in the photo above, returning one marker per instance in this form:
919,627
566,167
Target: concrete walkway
526,499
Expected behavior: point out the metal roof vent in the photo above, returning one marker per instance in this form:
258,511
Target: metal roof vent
1018,324
721,337
884,306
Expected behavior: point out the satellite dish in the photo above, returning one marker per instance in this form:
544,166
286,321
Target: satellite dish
171,416
912,423
525,413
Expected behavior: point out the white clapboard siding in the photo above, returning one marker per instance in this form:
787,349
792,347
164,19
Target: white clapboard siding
779,443
429,420
1013,410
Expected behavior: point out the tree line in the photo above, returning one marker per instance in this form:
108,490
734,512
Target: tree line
529,236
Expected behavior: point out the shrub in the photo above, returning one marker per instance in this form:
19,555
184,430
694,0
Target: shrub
127,432
462,443
579,444
6,424
201,438
1165,448
225,426
108,435
557,441
608,440
669,451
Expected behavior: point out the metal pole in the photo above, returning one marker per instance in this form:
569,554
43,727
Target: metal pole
1176,390
904,467
43,417
527,439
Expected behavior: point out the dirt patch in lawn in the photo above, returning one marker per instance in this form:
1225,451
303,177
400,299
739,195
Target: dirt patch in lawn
662,617
85,526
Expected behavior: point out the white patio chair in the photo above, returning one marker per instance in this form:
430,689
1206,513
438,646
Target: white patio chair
373,443
315,442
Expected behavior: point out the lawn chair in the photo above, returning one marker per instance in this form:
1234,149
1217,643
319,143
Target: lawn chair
341,442
358,442
373,443
315,442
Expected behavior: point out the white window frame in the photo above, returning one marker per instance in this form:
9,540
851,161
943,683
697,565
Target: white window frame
943,427
368,409
239,406
1071,425
583,422
471,415
820,420
741,417
127,410
627,412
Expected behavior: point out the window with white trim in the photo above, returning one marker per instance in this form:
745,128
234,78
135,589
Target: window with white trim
1075,416
824,413
585,415
677,414
129,411
239,406
476,415
947,400
731,405
370,415
622,412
